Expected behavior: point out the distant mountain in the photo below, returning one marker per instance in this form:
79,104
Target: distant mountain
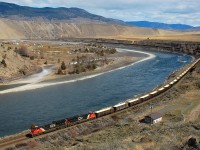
158,25
196,28
13,11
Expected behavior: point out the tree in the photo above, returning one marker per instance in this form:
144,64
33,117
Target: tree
63,66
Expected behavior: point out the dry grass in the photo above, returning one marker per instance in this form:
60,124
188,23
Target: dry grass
181,37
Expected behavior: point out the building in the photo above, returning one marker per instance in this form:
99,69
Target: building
153,118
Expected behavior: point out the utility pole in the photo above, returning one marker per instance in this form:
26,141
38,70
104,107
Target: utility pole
151,107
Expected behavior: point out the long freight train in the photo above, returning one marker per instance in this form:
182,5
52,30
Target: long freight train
55,125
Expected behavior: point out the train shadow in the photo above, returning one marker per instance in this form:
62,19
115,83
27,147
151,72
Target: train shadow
28,135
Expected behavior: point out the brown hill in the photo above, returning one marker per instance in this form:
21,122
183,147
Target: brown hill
13,29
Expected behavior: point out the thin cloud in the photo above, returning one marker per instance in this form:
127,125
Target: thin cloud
170,11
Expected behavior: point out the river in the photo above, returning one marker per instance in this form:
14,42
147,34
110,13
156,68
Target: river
45,102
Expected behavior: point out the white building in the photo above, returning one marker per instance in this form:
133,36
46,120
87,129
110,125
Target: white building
153,118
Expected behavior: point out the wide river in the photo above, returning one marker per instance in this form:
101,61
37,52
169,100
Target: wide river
19,109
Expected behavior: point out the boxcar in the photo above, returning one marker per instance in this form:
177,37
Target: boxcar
134,101
161,90
145,97
104,111
171,83
120,106
154,93
175,80
167,86
182,74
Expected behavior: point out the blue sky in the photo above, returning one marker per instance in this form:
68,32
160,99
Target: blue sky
168,11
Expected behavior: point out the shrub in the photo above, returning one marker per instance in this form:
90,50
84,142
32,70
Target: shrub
32,57
197,84
23,50
63,66
9,48
4,63
22,71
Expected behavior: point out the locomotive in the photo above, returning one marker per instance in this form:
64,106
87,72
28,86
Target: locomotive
59,124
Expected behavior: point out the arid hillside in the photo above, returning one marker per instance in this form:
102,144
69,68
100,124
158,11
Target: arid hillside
19,29
13,65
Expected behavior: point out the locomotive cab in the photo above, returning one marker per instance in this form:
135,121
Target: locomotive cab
91,115
36,130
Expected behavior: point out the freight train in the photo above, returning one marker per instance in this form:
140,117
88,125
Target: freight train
56,125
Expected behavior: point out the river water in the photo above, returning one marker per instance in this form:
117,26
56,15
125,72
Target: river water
19,109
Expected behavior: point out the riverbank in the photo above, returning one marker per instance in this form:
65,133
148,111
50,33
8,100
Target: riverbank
122,59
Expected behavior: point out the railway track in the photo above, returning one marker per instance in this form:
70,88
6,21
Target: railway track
20,138
12,141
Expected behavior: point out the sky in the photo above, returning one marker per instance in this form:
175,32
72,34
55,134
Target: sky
166,11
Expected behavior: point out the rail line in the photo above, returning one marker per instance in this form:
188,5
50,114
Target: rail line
113,109
11,141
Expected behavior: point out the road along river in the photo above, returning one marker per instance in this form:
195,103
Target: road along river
43,102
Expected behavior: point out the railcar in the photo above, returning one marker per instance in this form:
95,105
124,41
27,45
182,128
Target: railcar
38,130
104,111
182,74
167,86
171,83
154,93
75,119
160,90
79,118
60,122
145,97
134,101
175,80
120,106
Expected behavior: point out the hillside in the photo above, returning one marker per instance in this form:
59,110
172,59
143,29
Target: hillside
16,12
159,25
12,65
21,29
